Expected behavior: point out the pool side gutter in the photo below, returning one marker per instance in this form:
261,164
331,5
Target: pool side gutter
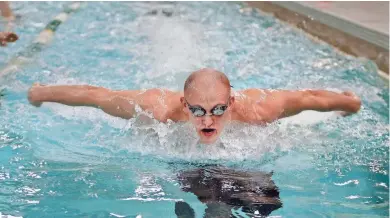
348,37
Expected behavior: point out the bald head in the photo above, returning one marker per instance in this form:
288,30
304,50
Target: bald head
207,78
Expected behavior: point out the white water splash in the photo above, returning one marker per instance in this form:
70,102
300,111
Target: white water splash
150,199
355,182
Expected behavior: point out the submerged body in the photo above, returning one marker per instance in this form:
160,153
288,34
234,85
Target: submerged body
205,91
223,189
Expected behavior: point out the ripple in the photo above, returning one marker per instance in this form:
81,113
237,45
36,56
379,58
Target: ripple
355,182
79,160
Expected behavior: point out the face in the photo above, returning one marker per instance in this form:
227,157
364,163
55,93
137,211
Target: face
213,101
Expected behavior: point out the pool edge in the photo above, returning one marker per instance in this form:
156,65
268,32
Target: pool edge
316,24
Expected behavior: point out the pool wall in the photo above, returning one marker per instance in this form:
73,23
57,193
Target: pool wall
348,37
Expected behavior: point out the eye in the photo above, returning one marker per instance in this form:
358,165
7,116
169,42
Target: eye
219,110
198,112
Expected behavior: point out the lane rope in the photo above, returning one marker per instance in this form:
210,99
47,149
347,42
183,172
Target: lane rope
42,40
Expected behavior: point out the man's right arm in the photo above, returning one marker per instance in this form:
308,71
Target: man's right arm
116,103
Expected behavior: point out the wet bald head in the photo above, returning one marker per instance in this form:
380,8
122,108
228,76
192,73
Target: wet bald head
206,79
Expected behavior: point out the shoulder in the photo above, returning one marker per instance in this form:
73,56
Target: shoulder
175,107
163,103
258,106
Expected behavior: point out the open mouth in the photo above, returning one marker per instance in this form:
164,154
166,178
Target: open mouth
208,131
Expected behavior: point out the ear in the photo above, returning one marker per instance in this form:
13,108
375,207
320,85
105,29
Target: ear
232,100
183,103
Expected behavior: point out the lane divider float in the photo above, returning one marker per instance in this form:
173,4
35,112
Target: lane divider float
43,39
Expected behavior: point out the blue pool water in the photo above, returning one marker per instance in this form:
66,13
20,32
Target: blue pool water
58,161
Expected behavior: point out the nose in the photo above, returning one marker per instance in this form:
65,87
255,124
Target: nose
208,120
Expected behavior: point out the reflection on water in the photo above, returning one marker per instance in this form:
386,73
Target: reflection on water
223,189
59,161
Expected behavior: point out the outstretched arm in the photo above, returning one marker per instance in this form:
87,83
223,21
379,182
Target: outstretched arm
294,102
116,103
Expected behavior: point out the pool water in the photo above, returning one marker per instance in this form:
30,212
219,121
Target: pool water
59,161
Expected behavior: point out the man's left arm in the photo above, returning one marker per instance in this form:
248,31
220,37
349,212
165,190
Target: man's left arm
294,102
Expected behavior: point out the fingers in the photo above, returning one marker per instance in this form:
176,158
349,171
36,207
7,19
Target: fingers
350,94
32,95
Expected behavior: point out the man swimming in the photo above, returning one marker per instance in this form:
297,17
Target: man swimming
207,102
7,36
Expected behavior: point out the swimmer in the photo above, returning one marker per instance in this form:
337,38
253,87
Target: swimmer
207,102
7,36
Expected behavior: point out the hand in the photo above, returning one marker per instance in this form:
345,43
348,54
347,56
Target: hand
350,94
357,101
34,93
7,37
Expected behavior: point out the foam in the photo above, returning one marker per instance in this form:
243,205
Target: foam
8,216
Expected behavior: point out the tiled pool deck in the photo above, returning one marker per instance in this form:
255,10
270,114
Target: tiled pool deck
373,15
357,28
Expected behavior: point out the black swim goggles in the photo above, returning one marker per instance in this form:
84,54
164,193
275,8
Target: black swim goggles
198,111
